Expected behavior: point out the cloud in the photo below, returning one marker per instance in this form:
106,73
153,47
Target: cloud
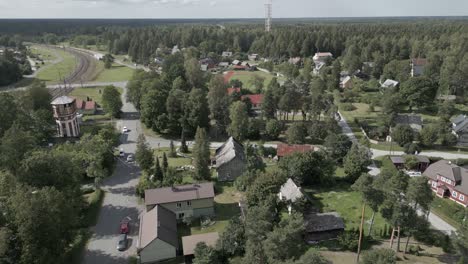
157,2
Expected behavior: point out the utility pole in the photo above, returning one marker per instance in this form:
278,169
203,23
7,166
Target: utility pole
361,229
268,15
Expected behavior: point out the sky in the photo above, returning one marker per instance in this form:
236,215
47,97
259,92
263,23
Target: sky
227,8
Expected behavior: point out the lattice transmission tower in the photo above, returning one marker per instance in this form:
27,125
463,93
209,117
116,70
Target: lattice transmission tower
268,14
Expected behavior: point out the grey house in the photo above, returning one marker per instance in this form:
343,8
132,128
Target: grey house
460,129
230,160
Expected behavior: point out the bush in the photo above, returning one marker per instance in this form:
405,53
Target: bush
296,133
349,240
411,148
317,131
347,107
273,129
255,127
448,139
379,256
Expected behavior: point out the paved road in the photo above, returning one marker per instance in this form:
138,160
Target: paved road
119,202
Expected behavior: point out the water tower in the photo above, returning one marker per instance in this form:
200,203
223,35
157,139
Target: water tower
65,115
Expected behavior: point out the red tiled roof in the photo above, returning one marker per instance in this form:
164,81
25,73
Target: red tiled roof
90,105
256,99
232,90
419,62
240,67
79,103
284,149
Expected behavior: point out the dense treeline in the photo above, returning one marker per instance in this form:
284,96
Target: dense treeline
13,61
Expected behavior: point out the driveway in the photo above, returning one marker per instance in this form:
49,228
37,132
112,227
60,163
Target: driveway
120,202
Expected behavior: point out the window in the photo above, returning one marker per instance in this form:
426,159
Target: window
181,215
189,203
434,184
454,194
462,197
443,179
179,205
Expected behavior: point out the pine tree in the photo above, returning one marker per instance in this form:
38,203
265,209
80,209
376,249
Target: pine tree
165,162
172,152
201,156
183,143
158,173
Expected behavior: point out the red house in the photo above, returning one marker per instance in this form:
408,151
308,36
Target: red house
255,99
233,90
448,180
285,149
86,107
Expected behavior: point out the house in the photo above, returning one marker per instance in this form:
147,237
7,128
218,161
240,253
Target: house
190,242
286,150
88,107
448,180
318,66
399,162
175,49
417,66
233,90
256,100
412,120
295,60
322,226
322,56
230,161
290,193
236,62
206,64
157,238
346,82
192,200
245,64
204,67
226,54
223,64
460,129
389,84
253,57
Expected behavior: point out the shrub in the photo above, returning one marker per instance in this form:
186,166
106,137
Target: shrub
273,129
379,256
347,107
411,148
349,240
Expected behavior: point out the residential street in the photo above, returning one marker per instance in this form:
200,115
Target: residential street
120,202
435,221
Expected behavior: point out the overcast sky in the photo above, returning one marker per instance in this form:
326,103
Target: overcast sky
227,8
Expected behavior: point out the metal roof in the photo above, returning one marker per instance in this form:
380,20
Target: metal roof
63,100
229,151
159,223
179,193
190,242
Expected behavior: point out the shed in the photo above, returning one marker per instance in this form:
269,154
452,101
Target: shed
322,226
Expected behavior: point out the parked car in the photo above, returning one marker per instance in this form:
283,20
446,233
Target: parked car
121,153
122,242
124,129
130,158
124,227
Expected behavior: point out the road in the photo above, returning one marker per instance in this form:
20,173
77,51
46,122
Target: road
435,221
120,201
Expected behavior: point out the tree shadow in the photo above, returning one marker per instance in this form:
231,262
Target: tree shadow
110,218
124,172
226,211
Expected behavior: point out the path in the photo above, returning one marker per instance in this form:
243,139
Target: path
435,221
119,202
58,59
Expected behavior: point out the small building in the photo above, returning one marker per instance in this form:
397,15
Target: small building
226,54
192,200
346,82
233,90
223,64
157,237
88,107
65,114
295,60
245,64
253,57
399,162
318,66
175,49
286,149
322,226
389,84
236,62
290,193
256,100
448,180
190,242
322,56
460,129
417,66
98,56
230,161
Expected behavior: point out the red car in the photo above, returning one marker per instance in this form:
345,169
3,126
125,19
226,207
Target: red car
124,227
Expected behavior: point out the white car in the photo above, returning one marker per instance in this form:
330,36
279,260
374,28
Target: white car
121,153
124,129
130,158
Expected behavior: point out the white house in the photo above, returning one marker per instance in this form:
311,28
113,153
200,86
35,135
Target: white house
322,56
290,193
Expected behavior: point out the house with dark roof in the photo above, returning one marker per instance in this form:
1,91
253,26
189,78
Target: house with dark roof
190,242
399,162
256,100
157,237
283,150
417,66
230,161
448,180
192,200
322,226
460,129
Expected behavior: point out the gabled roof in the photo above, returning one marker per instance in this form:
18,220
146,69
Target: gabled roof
459,122
321,222
236,62
418,61
179,193
63,100
290,191
450,171
390,83
229,151
159,223
285,149
255,99
345,79
408,119
190,242
401,159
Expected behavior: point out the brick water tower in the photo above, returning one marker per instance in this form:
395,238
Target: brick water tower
65,115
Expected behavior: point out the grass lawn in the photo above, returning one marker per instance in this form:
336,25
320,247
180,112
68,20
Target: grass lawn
43,53
448,210
55,72
173,162
226,207
347,203
246,76
117,73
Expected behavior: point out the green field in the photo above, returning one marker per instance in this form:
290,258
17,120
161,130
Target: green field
53,73
94,93
43,53
246,76
117,73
